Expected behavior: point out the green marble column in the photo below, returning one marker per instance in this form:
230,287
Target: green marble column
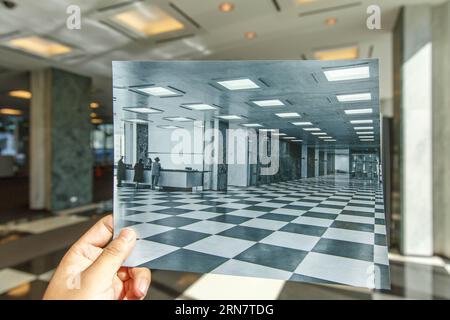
61,156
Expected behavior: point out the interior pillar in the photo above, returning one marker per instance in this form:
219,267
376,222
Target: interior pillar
60,128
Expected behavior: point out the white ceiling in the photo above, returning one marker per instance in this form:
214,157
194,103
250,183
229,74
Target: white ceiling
284,34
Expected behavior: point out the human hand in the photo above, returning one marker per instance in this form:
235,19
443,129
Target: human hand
92,268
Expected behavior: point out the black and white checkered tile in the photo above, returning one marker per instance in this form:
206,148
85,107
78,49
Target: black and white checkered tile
326,230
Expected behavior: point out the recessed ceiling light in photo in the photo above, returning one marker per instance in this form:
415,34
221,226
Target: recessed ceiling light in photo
354,97
330,140
158,91
226,7
179,119
268,130
250,35
319,133
361,121
306,123
297,140
278,134
363,128
199,107
311,129
288,115
169,127
251,125
148,20
289,138
269,103
358,111
238,84
344,53
143,110
39,46
10,112
325,137
364,133
230,117
345,74
94,105
366,137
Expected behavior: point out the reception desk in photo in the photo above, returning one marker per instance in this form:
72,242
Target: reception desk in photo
171,178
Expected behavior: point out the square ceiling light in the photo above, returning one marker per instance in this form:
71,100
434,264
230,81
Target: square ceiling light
311,129
355,97
297,140
158,91
269,103
358,111
268,130
139,121
361,121
319,133
288,115
279,134
345,74
363,128
147,20
169,127
289,138
230,117
306,123
179,119
325,137
365,133
199,107
238,84
343,53
330,140
251,125
39,46
143,110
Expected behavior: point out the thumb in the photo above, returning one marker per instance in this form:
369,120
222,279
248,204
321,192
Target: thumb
113,256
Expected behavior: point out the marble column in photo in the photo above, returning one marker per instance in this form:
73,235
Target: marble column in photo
60,131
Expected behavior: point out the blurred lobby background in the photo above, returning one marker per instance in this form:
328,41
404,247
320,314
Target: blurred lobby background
56,133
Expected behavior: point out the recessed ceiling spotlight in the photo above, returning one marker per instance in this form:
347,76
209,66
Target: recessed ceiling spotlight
331,21
311,129
93,115
319,133
288,115
226,7
199,107
358,111
306,123
21,94
10,112
345,74
269,103
250,35
179,119
230,117
143,110
361,121
251,125
158,91
96,121
354,97
239,84
94,105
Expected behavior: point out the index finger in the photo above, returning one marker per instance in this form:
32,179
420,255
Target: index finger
99,234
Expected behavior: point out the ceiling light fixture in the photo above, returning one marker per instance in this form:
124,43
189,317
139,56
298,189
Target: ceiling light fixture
346,74
288,115
230,117
279,134
311,129
330,140
251,125
358,111
289,138
158,91
302,123
179,119
331,21
93,115
319,133
268,103
354,97
147,20
39,46
226,7
21,94
250,35
361,121
94,105
239,84
10,112
199,107
345,53
143,110
169,127
297,140
363,128
364,133
96,121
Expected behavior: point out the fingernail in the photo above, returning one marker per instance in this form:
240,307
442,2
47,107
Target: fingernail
143,286
128,234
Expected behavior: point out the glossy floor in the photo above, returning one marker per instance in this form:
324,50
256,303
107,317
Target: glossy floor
320,230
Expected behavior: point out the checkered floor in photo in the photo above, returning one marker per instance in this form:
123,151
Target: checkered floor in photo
321,230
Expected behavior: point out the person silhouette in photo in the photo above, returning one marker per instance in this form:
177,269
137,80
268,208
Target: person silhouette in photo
139,172
121,171
156,171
